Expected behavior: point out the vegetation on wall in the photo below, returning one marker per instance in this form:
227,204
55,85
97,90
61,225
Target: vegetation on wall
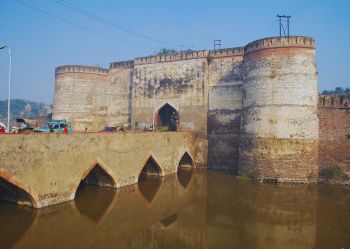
166,51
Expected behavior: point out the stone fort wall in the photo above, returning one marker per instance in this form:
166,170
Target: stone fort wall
334,143
242,103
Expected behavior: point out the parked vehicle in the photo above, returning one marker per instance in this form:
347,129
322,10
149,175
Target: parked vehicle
56,126
25,125
2,125
110,128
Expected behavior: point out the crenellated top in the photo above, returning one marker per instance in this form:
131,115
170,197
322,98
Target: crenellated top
341,101
280,42
172,57
81,69
226,52
121,64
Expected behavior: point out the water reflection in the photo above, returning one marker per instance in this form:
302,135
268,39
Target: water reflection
149,186
215,210
15,221
102,201
184,175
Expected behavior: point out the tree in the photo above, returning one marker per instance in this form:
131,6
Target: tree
166,51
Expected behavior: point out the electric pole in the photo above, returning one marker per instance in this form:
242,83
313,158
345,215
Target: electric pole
282,27
217,44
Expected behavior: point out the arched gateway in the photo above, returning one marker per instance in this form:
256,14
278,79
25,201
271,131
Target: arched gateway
167,117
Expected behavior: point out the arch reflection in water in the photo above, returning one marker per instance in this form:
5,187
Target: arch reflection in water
149,186
169,220
15,222
94,202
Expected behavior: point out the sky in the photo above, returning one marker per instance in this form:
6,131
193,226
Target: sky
43,34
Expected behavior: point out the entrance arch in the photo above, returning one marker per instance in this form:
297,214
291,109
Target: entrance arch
168,117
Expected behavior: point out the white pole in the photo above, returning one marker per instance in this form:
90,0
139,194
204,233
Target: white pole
9,92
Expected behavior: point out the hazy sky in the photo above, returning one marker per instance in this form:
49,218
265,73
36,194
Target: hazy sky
40,42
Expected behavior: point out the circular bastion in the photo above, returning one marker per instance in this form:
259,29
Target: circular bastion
279,122
81,96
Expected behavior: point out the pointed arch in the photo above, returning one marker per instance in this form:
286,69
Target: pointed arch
185,169
98,173
151,167
186,161
166,115
14,190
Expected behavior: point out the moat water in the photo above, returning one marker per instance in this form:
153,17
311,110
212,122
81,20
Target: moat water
202,209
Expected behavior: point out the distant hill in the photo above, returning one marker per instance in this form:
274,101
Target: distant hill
24,108
337,90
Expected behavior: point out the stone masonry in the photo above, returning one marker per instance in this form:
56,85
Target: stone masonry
253,109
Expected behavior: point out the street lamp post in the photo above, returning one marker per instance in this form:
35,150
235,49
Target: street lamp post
9,88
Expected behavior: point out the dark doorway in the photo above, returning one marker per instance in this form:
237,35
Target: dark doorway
168,118
11,193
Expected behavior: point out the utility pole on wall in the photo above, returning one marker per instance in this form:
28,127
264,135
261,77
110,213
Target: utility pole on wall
217,44
282,26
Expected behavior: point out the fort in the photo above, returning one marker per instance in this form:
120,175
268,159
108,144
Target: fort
253,110
230,98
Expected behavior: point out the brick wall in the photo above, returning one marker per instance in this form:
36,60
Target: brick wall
334,146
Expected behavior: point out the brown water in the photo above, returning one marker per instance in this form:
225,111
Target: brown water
200,210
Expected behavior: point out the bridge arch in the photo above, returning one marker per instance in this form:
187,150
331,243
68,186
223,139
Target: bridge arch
185,170
151,167
186,161
14,190
97,174
166,116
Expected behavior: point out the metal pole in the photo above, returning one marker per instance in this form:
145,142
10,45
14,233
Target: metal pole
9,92
9,87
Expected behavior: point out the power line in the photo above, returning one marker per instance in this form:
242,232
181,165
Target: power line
308,4
82,27
112,24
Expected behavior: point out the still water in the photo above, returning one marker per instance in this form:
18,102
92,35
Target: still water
202,209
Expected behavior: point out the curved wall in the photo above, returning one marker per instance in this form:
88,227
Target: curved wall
279,123
81,96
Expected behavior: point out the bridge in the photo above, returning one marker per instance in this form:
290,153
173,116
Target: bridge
40,169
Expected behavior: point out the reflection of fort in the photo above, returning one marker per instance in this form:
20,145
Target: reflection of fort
240,215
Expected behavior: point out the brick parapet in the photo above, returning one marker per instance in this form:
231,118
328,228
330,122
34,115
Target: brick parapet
121,64
81,69
334,101
226,52
172,57
280,42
